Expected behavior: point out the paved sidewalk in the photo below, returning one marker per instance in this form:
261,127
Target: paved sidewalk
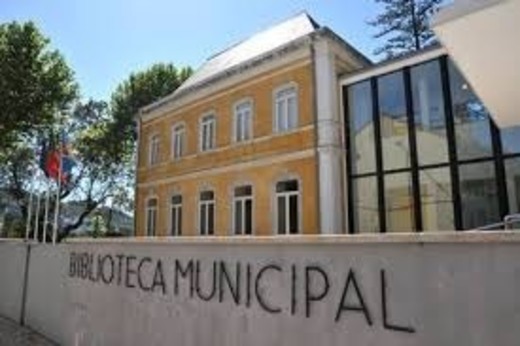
12,334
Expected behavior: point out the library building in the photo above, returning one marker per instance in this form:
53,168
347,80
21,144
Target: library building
294,131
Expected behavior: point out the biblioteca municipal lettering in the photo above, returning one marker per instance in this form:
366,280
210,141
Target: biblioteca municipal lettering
246,284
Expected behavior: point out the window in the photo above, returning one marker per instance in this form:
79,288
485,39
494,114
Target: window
287,205
472,130
365,200
512,168
243,210
286,109
207,213
362,142
479,195
176,215
153,154
207,132
511,140
151,217
428,113
399,203
243,121
393,122
436,199
178,141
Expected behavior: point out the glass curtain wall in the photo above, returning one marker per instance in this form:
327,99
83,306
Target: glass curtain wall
424,154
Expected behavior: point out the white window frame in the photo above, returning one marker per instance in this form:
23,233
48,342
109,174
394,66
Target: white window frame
176,208
287,195
178,141
242,200
199,213
238,114
208,120
278,96
153,149
148,210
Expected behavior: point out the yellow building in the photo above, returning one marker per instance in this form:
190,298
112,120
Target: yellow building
252,142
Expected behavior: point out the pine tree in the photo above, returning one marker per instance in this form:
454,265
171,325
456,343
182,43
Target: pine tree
406,23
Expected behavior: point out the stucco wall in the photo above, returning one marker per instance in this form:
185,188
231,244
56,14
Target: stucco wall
431,289
260,161
12,266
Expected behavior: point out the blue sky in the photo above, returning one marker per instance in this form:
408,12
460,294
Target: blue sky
104,40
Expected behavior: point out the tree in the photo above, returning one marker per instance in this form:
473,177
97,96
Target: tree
37,89
141,89
38,93
405,22
105,140
35,83
100,174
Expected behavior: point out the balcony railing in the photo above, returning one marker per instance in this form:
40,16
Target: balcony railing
510,222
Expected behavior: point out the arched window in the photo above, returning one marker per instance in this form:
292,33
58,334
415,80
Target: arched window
151,217
285,108
207,213
207,138
243,210
176,215
153,150
178,141
243,121
287,207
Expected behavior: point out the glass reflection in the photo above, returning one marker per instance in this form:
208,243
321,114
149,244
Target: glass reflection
366,212
436,199
393,123
511,140
512,167
471,119
478,191
362,144
428,110
399,203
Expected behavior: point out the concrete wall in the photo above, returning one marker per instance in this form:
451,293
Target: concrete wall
46,309
12,266
430,289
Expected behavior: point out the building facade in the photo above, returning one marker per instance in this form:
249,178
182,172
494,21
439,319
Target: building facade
251,144
292,131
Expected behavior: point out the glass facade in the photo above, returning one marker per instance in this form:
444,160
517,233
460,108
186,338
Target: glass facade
362,127
513,184
479,195
436,199
365,204
424,155
399,202
472,124
428,113
393,121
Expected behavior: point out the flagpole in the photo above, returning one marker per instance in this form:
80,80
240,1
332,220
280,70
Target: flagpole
57,208
29,216
46,215
37,216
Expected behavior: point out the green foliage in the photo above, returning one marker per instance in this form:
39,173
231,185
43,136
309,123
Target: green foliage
37,93
141,89
35,83
404,24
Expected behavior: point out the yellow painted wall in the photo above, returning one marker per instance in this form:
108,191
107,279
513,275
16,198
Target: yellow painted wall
263,179
157,180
